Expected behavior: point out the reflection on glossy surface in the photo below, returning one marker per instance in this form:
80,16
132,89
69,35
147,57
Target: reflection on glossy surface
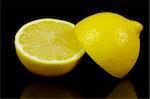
42,90
124,90
36,90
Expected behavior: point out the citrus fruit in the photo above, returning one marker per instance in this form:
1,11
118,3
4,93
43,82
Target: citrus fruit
111,40
48,46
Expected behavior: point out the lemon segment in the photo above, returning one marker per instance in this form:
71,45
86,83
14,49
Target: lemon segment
111,40
48,47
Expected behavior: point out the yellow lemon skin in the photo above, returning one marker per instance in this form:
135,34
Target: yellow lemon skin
111,40
46,69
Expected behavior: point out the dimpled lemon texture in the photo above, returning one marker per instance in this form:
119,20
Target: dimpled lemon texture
111,40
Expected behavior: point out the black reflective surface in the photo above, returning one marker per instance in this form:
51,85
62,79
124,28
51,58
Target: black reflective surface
87,79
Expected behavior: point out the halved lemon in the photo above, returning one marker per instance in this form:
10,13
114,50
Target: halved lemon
48,47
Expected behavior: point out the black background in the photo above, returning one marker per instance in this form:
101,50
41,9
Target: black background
87,77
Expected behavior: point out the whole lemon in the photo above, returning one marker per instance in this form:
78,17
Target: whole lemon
111,40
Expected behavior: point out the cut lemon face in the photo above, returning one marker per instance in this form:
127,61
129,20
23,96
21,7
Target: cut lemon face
48,47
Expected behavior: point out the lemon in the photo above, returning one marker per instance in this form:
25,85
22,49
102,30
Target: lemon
48,47
111,40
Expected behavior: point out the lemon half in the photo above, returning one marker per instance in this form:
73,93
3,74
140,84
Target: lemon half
111,40
48,47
